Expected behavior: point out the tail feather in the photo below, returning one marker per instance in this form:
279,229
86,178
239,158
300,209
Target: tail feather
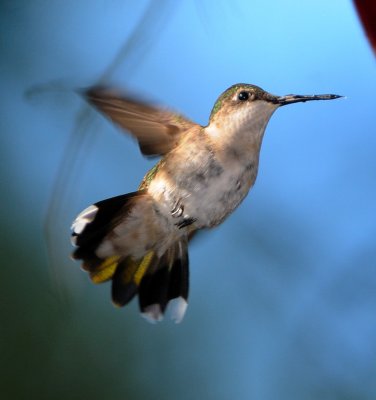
179,279
154,288
105,238
105,271
127,278
95,222
169,281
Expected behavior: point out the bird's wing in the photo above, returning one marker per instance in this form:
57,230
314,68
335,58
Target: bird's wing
157,131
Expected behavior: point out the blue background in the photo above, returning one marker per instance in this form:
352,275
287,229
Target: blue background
283,299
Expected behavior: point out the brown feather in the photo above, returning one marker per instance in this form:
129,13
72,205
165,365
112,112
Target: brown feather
157,130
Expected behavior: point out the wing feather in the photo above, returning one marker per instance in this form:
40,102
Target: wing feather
157,130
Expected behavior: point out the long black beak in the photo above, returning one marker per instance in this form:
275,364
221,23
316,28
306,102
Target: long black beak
297,98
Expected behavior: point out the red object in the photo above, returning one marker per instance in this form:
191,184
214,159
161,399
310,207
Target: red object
367,14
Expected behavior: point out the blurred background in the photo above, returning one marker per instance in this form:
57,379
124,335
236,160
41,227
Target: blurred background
282,299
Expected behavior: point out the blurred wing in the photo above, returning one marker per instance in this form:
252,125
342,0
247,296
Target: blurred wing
157,131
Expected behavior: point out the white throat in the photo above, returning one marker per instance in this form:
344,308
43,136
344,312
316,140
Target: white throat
243,129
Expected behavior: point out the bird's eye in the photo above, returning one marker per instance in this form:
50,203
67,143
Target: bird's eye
243,96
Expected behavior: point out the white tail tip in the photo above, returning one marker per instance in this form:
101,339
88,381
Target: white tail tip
177,308
153,313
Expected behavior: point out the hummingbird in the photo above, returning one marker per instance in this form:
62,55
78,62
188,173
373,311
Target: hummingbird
139,240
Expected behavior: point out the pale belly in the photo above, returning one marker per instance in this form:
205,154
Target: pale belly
204,197
213,201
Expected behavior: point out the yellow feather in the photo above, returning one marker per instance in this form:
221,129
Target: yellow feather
142,268
106,270
133,272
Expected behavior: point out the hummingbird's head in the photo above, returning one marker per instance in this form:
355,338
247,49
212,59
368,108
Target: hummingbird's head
239,103
241,113
248,107
242,99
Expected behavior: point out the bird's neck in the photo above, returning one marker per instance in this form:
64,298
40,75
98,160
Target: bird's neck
238,139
